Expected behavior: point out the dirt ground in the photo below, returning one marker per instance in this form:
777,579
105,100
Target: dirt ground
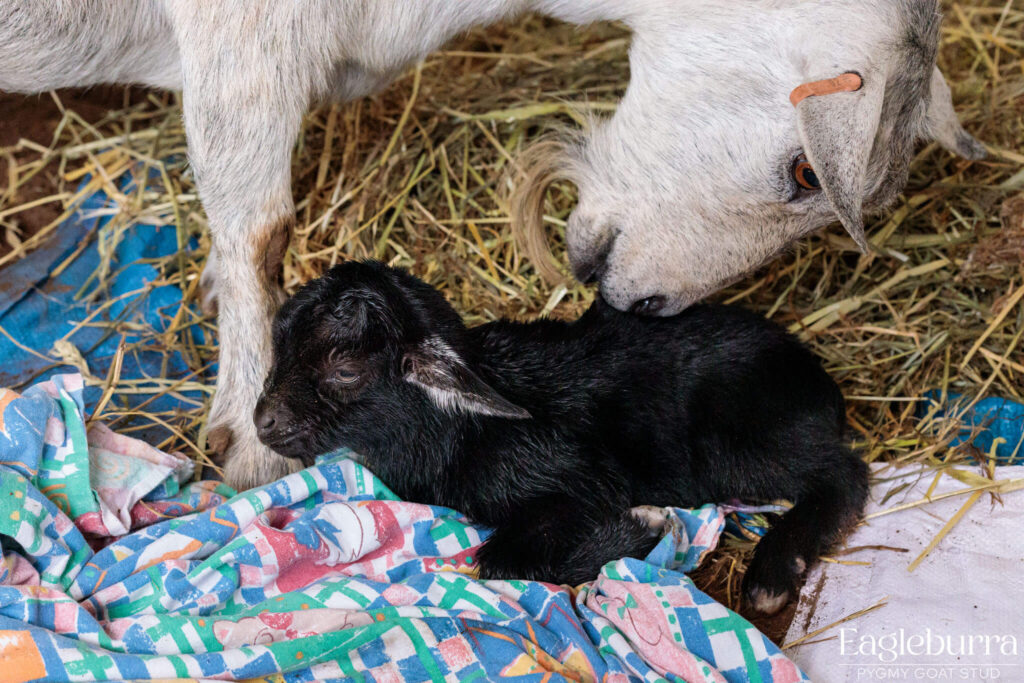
35,118
774,626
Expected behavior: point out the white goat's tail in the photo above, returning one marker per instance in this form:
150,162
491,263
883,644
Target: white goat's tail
542,164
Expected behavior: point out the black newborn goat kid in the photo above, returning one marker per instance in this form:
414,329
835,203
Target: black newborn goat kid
550,432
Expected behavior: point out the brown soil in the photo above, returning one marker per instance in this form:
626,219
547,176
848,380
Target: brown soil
35,118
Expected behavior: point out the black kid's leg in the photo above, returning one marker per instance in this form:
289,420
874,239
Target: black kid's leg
563,541
816,522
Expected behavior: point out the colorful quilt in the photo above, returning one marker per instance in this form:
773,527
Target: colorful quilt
117,566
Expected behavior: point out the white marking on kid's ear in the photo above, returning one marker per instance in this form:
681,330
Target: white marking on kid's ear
454,402
451,385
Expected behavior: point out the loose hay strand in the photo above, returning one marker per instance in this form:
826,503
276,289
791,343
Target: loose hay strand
850,617
946,528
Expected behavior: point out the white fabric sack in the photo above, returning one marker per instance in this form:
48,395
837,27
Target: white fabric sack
958,616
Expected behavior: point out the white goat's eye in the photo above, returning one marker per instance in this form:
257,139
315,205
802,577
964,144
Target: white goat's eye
804,175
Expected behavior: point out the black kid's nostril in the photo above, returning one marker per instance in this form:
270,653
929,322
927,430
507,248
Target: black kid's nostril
648,306
265,420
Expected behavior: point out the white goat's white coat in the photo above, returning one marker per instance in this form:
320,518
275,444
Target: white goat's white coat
686,187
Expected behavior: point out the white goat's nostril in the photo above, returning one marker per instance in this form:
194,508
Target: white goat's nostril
592,268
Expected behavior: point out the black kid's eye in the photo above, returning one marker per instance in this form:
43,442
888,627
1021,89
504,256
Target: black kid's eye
344,377
803,173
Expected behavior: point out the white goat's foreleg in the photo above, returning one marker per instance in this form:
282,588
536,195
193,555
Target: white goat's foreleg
242,114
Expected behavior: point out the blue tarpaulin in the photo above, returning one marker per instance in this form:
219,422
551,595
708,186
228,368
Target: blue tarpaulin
55,294
990,421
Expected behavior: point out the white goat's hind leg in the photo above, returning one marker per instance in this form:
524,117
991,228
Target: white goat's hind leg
243,107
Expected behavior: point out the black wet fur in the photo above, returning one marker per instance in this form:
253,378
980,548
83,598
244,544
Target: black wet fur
584,420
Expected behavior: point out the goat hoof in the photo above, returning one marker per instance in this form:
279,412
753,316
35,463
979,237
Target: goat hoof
765,601
771,581
653,517
248,465
218,441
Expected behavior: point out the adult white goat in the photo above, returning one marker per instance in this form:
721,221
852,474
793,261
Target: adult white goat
696,179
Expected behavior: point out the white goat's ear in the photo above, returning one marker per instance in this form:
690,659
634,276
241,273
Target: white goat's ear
451,385
838,132
944,127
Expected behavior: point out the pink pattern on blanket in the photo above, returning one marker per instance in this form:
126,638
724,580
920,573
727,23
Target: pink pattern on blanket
122,471
642,615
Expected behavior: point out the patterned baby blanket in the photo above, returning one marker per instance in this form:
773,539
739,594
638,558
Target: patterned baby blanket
117,566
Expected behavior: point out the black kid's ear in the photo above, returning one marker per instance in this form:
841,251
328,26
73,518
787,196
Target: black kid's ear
362,313
451,385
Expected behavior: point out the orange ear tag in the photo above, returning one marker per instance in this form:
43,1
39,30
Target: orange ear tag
847,82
